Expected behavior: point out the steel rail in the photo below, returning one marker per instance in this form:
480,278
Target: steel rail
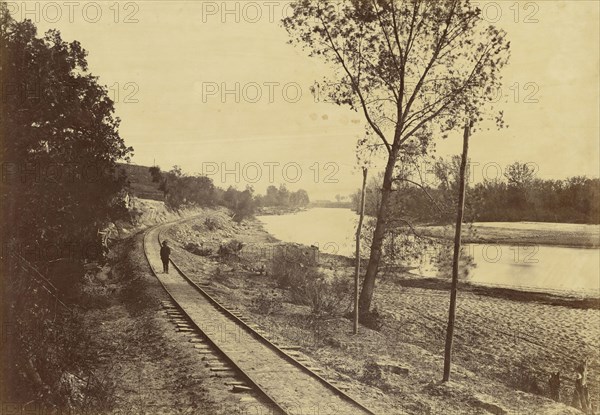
215,348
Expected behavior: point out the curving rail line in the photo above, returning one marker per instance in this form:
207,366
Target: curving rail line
290,387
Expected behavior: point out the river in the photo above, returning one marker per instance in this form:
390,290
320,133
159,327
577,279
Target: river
539,267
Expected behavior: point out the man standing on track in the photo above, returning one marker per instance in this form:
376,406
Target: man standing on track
165,253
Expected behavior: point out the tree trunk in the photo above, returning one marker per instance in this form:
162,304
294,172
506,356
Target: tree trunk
581,393
457,237
358,232
366,294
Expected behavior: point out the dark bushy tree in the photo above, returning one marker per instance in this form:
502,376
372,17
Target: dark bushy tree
60,141
282,197
573,200
299,198
59,144
180,189
241,203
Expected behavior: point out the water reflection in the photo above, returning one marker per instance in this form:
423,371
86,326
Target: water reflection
546,268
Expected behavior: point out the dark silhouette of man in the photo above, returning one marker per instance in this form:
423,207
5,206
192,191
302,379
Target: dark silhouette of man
165,253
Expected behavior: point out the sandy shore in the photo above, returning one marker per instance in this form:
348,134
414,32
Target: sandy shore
526,233
506,342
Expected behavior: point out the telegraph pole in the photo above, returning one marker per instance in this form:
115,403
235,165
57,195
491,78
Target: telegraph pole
358,233
457,237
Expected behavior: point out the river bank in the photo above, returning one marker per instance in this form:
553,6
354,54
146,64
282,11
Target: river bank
278,210
523,233
507,342
520,263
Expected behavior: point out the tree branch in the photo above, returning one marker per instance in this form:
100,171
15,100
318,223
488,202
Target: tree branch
355,87
450,96
434,57
424,189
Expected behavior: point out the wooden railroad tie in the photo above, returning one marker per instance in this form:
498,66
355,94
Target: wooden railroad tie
240,389
235,382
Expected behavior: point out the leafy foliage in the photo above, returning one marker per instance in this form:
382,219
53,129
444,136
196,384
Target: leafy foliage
296,271
241,203
517,196
181,189
267,303
60,186
573,200
405,64
230,250
44,342
282,197
196,249
60,140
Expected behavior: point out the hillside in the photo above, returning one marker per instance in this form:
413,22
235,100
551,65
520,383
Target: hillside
141,182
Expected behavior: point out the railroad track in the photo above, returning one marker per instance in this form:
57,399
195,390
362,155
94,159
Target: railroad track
275,378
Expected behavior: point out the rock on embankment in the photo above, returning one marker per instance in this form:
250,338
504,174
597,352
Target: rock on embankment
213,228
145,213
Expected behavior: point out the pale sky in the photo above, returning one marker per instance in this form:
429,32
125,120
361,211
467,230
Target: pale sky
174,60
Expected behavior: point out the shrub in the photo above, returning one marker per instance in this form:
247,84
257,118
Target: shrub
291,263
196,249
230,249
219,276
306,285
267,304
373,319
371,374
241,203
211,224
48,348
523,379
323,296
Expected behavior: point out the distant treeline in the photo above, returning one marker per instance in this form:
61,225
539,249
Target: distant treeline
517,196
574,200
282,197
180,189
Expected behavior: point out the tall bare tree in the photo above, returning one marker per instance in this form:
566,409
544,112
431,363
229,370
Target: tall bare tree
413,68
